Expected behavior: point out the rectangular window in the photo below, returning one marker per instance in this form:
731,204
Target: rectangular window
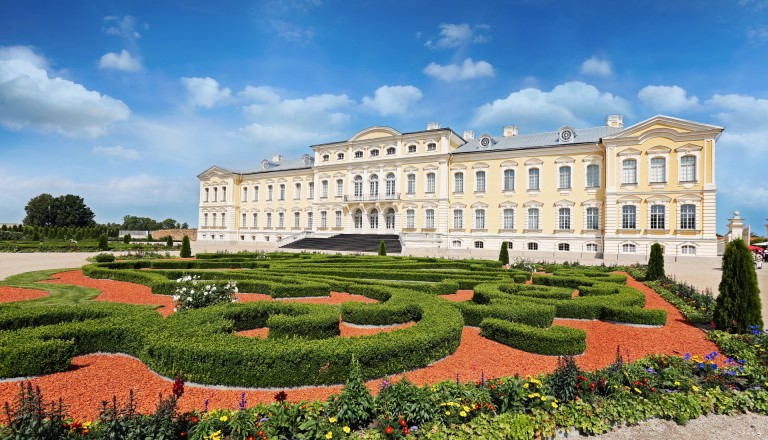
310,218
255,220
593,176
688,217
224,194
339,187
255,193
311,194
280,219
269,193
324,189
629,171
296,219
282,191
458,219
509,180
411,184
479,244
223,219
205,219
564,218
593,218
688,169
410,218
564,182
629,217
297,191
430,219
245,194
479,218
458,183
533,179
323,219
269,220
206,191
480,181
658,170
244,221
657,217
431,183
533,246
215,194
338,219
509,218
533,218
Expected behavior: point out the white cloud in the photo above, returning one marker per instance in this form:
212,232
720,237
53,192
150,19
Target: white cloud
466,70
293,32
393,100
122,27
758,35
294,121
29,97
667,98
457,35
575,103
596,66
744,119
205,92
118,151
120,61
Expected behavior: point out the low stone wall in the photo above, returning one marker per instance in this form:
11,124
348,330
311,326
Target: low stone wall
176,234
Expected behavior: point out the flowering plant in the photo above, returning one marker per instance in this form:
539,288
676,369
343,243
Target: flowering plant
191,294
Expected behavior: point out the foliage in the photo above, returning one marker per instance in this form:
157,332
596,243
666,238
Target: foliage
504,254
355,406
103,242
382,249
191,294
564,381
127,238
104,258
186,249
656,263
62,211
169,242
737,306
133,223
32,418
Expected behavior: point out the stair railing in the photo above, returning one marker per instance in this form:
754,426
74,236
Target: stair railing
295,237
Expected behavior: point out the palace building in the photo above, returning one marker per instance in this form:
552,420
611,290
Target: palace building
601,192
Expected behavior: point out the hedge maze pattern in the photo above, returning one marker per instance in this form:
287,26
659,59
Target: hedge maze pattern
302,347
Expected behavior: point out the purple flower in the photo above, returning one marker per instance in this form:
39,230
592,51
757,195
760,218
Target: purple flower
242,401
205,404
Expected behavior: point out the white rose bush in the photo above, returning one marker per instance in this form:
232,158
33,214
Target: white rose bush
191,294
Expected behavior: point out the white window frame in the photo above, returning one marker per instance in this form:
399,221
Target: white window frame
653,217
324,189
339,187
628,248
534,171
458,182
595,218
256,193
245,194
429,218
564,219
689,218
684,171
480,218
297,191
339,222
480,181
458,219
296,219
410,184
654,177
311,190
508,218
323,219
410,218
509,179
625,222
564,177
533,213
629,174
431,181
593,180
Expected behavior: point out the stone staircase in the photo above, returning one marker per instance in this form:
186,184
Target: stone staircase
348,243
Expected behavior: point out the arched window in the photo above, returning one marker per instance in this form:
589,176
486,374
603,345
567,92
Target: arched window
269,220
411,188
390,221
223,219
297,191
629,217
374,185
688,169
658,170
480,181
390,151
255,193
358,154
224,194
323,219
358,219
429,217
410,218
509,180
458,182
244,221
255,219
430,183
326,157
215,194
269,193
390,185
373,218
591,247
456,243
324,189
245,194
358,186
628,248
340,156
431,146
564,180
280,219
339,187
629,171
205,219
411,148
688,249
297,219
214,219
282,192
374,153
479,218
533,179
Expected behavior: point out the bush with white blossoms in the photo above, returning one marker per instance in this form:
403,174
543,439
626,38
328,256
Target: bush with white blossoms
191,294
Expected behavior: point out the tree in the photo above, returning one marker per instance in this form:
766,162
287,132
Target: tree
168,223
504,254
103,242
185,225
737,307
656,263
169,241
133,223
186,250
127,238
382,249
62,211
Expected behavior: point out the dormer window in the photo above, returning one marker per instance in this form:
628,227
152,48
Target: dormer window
431,146
358,154
340,156
374,153
326,157
411,148
390,151
486,141
566,134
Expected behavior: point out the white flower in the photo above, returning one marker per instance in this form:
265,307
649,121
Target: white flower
189,298
176,298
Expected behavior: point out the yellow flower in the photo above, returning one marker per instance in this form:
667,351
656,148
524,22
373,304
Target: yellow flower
329,435
215,436
677,384
695,388
543,398
223,418
463,413
346,430
525,385
332,419
447,413
533,395
637,391
554,404
465,408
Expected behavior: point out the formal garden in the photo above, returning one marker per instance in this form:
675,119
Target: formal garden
278,345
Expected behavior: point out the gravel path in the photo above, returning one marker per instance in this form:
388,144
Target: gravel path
710,427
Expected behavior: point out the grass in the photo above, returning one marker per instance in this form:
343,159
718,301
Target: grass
59,294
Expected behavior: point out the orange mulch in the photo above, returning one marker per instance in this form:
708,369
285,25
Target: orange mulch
96,377
347,331
459,296
10,294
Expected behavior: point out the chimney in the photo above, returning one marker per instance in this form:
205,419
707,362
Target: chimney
433,125
469,135
616,121
277,158
510,130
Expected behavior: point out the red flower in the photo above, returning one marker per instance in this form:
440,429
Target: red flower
282,396
405,430
402,422
183,433
178,386
250,437
388,430
195,419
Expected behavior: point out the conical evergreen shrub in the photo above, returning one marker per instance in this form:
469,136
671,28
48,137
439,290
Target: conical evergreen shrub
737,307
656,263
382,249
504,253
103,242
186,249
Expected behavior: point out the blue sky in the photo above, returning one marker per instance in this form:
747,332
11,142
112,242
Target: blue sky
125,102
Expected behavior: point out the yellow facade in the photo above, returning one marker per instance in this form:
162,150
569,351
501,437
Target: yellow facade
605,192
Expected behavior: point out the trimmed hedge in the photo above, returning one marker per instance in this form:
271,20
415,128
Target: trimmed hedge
555,340
537,315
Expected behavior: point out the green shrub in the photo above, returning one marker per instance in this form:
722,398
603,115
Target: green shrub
504,254
564,381
169,242
127,238
634,315
104,258
555,340
355,406
186,249
103,242
737,307
382,249
656,263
